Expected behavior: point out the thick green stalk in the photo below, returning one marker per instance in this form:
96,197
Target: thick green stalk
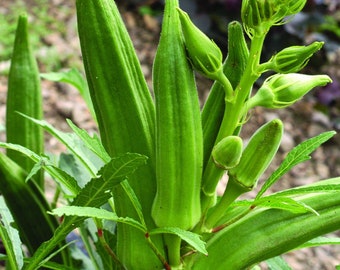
24,95
233,68
233,114
125,114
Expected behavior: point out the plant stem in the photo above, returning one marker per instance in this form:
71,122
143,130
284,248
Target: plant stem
173,244
234,111
157,252
232,192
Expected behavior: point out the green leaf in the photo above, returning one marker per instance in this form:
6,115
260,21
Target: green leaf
36,168
73,144
277,263
94,194
134,200
62,178
70,165
191,238
10,237
76,79
93,143
320,241
284,203
92,212
299,154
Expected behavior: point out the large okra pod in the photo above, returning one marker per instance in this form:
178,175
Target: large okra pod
178,130
266,233
125,114
24,95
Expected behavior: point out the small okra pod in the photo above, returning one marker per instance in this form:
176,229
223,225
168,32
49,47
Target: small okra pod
24,96
257,155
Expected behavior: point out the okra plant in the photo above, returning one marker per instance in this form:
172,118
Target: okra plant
141,194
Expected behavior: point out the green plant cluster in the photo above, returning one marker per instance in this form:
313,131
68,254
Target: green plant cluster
141,194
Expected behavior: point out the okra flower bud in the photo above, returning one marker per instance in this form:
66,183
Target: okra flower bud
259,15
227,153
282,90
257,155
294,58
205,56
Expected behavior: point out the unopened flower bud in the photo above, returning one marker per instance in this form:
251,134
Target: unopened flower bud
282,90
227,153
259,15
294,58
205,55
257,155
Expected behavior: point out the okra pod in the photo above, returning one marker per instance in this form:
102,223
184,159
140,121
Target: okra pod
126,115
257,155
24,95
178,130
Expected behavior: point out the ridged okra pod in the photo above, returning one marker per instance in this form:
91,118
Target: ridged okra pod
24,95
257,155
178,130
125,114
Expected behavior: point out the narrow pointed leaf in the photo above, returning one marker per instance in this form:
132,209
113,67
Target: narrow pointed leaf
61,177
91,212
76,79
10,237
93,143
72,142
299,154
191,238
94,194
277,263
320,241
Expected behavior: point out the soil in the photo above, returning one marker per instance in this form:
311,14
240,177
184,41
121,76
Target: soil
301,121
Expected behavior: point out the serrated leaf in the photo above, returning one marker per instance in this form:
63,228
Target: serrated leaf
122,166
71,141
191,238
10,237
299,154
284,203
69,164
93,143
310,189
36,168
278,263
76,79
92,212
61,177
94,194
134,200
320,241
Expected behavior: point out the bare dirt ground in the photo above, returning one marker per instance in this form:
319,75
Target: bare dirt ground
302,121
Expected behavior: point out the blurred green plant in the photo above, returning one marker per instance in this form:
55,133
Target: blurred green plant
44,24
